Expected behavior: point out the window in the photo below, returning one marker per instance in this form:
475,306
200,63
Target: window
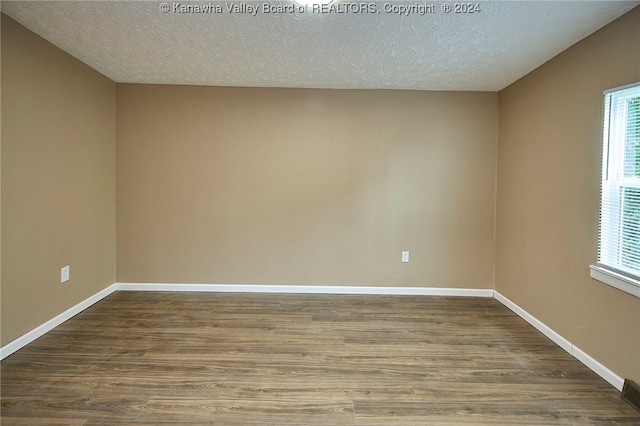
619,239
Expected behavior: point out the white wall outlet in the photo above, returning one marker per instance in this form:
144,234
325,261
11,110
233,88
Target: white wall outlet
405,257
64,274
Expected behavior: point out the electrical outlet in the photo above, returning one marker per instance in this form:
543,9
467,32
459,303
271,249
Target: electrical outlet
405,257
64,274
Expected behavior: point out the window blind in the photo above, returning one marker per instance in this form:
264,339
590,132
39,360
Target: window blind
619,239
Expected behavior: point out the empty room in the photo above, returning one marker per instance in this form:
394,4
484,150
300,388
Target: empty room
320,212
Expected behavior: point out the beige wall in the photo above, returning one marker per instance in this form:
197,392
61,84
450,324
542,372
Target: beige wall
308,187
1,342
58,180
548,193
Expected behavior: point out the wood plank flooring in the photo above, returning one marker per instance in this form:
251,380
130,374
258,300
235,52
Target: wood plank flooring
257,359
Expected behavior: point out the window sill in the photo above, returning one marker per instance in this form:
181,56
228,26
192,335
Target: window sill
622,283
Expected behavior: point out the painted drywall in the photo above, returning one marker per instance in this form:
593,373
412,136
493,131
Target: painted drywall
549,161
305,187
58,180
0,183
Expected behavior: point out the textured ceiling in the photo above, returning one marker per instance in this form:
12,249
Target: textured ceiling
135,42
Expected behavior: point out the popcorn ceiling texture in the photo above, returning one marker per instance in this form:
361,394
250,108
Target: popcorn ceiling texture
134,42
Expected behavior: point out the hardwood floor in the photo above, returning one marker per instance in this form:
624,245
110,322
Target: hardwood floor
256,359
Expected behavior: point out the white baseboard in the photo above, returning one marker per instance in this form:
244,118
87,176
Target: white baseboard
602,371
565,344
543,328
32,335
301,289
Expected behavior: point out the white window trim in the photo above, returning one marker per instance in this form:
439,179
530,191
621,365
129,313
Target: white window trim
614,279
627,283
